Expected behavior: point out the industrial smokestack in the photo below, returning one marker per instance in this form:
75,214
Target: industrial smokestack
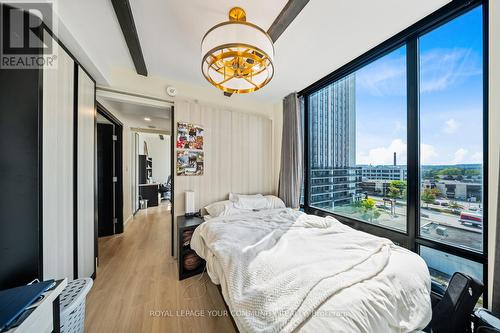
394,158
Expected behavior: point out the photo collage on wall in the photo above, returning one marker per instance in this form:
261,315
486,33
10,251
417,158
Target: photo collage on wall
189,146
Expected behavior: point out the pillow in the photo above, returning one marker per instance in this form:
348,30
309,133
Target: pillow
235,196
224,208
217,208
274,202
252,202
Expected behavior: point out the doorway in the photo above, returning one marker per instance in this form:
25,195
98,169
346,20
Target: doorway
152,177
109,161
140,115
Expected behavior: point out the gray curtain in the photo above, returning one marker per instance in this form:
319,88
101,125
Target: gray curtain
291,153
496,263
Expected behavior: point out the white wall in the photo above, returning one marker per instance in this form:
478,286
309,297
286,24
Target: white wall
209,96
238,154
277,136
494,135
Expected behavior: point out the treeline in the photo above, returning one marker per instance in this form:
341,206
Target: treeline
451,172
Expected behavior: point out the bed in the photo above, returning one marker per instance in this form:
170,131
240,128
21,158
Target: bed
281,270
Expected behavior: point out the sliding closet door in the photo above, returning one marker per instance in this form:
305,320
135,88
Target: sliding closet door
85,171
57,166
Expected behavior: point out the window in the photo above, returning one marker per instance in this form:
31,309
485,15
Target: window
442,265
451,132
358,133
395,141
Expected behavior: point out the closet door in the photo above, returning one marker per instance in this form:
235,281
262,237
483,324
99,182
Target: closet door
19,177
57,166
86,114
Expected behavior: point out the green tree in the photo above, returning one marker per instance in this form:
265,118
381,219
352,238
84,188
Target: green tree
393,192
455,205
396,189
451,172
369,208
400,184
368,203
429,195
472,172
436,192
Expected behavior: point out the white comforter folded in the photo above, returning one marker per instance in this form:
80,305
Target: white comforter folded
280,266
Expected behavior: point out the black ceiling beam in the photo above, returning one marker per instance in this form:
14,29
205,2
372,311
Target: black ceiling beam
126,20
285,17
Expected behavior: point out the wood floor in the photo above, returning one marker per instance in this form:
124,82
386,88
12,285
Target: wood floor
137,287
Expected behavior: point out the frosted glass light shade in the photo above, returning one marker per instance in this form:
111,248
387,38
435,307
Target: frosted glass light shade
189,202
237,57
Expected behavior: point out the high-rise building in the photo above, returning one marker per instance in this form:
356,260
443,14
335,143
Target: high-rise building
334,177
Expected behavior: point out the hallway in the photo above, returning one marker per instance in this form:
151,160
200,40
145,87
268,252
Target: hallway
137,276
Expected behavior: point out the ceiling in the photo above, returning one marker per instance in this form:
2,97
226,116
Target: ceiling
134,114
324,36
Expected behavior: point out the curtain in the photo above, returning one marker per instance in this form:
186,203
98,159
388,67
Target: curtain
496,272
291,153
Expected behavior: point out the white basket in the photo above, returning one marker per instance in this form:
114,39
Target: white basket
72,302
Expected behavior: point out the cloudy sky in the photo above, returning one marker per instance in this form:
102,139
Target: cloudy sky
450,99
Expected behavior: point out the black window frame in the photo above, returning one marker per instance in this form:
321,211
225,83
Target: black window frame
410,37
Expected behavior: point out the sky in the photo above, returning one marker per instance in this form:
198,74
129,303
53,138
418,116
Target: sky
450,98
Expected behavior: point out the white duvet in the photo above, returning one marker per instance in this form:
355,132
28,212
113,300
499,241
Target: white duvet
282,271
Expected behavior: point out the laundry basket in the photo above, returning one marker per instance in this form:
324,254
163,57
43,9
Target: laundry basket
72,305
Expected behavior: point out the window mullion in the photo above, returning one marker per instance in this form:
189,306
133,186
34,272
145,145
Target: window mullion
413,130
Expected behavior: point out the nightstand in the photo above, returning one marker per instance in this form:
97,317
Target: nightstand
189,262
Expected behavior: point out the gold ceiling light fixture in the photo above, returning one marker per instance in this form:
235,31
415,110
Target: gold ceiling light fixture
237,56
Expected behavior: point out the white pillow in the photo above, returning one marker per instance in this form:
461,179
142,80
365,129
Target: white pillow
224,208
252,203
274,202
235,196
244,204
217,208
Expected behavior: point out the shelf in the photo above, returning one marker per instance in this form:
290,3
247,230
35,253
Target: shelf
188,273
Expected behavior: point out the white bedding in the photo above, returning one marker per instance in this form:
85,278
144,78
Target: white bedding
282,271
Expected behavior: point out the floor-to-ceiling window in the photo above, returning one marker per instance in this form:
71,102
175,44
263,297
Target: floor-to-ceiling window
396,142
358,143
451,132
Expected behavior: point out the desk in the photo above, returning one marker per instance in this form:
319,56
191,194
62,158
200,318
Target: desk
45,317
149,192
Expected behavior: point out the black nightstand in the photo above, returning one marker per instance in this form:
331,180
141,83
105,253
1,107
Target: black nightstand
189,262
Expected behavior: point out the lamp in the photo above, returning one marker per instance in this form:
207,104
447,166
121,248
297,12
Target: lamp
237,56
189,197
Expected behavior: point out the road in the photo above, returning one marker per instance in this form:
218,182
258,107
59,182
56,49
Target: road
432,216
